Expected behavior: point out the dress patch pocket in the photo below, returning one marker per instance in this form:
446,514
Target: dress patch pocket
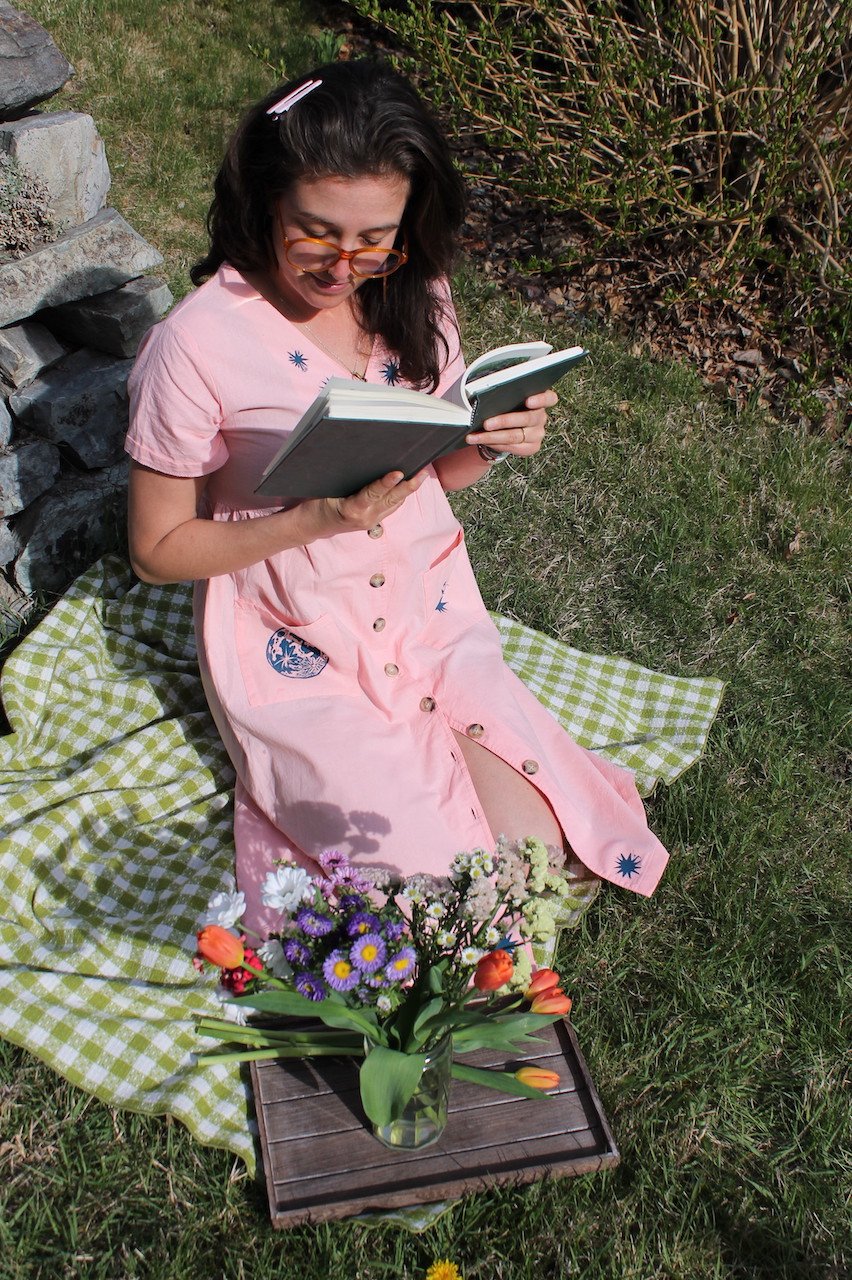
283,660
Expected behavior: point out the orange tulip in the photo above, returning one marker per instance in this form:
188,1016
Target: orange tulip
554,1001
541,981
538,1077
494,970
220,947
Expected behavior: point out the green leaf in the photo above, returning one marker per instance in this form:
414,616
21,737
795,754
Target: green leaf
388,1080
330,1012
426,1023
467,1039
504,1081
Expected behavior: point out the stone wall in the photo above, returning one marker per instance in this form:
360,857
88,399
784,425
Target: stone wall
74,305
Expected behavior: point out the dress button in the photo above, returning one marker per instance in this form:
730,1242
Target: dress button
379,624
376,532
530,766
391,669
427,704
475,730
377,580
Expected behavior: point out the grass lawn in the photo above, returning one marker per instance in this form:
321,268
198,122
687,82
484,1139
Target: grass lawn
658,524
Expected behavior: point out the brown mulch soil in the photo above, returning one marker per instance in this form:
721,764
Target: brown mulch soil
671,298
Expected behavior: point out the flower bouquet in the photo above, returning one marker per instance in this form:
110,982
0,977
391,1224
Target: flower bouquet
407,975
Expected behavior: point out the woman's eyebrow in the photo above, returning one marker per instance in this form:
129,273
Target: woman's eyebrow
304,216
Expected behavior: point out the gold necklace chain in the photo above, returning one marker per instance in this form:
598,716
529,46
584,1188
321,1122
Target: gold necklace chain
362,377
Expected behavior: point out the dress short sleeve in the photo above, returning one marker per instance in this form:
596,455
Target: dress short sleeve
175,407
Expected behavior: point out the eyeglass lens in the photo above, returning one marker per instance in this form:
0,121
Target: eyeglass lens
317,255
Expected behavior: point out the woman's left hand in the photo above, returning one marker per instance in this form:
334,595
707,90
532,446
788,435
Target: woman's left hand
521,432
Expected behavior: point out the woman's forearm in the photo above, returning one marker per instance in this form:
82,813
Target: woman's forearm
202,548
460,469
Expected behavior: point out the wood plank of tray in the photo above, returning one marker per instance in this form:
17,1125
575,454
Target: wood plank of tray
322,1161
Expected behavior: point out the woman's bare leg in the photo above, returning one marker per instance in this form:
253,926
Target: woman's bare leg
513,806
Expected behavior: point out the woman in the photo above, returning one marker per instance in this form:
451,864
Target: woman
347,657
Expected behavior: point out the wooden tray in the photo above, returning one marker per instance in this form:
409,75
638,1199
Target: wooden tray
322,1161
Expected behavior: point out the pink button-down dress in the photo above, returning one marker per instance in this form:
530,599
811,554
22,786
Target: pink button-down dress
337,672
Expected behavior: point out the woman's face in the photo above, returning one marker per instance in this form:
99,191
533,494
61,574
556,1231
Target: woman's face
351,213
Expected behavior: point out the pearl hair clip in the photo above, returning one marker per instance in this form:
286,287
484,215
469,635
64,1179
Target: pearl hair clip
290,99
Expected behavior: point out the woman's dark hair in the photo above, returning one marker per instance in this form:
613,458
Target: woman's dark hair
364,119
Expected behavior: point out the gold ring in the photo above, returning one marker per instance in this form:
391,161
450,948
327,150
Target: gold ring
523,435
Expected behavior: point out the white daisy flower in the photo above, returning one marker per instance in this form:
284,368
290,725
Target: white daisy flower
471,956
446,938
286,888
435,910
272,955
492,936
225,907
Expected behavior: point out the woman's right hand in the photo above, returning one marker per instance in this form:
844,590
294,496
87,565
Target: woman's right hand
368,507
169,542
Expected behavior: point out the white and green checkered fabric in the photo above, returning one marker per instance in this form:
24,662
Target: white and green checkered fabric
116,830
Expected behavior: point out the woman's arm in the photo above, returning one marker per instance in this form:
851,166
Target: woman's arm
169,542
520,433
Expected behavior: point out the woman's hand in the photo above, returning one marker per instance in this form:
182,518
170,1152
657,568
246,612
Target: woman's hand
368,507
521,432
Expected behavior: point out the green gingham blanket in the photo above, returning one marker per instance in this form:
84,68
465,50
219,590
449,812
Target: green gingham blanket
116,830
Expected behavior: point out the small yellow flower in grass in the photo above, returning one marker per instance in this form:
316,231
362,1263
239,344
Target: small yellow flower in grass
444,1270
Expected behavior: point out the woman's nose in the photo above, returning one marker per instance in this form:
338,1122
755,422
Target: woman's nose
341,270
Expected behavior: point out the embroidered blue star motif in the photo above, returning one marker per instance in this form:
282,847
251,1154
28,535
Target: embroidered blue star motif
300,361
390,372
628,865
441,606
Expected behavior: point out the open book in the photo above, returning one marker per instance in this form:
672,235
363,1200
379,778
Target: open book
355,432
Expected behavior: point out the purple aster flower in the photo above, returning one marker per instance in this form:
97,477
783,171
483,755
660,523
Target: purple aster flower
313,923
339,972
351,902
394,930
362,922
368,953
402,965
307,985
296,951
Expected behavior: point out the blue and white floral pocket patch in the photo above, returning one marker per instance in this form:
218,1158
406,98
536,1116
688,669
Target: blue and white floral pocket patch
290,655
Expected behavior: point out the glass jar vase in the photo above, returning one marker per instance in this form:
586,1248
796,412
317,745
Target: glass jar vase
424,1116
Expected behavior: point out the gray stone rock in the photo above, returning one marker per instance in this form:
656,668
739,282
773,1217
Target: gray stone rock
5,424
114,322
71,527
27,470
65,151
25,351
104,253
10,544
31,66
80,404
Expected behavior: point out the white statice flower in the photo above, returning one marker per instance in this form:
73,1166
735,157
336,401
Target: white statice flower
286,888
446,938
384,1004
472,955
230,1012
379,877
272,955
481,901
225,907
